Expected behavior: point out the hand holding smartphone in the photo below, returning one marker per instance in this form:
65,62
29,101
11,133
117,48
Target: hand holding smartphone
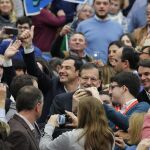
10,31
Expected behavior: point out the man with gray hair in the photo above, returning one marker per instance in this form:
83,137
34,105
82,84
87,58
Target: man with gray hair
29,104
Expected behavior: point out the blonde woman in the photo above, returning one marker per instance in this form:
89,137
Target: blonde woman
92,131
7,13
134,131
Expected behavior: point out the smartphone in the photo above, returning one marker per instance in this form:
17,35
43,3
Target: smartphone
10,31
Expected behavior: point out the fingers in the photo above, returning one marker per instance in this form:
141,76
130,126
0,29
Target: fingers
70,114
11,42
26,34
81,94
73,118
32,31
17,44
65,30
119,141
53,120
12,49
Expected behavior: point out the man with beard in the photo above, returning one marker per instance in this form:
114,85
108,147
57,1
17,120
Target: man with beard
99,30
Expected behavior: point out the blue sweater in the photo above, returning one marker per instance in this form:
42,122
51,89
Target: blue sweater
99,34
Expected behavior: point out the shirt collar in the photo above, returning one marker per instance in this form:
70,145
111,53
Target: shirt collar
74,54
127,104
68,91
130,102
148,94
99,19
27,122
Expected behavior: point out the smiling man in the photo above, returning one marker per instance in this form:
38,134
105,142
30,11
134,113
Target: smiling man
77,44
89,76
144,73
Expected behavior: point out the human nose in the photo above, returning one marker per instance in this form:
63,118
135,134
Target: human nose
110,91
89,81
142,77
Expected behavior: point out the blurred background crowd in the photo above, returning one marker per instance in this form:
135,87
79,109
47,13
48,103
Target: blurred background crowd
75,75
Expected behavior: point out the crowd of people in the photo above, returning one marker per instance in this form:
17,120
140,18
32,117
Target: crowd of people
75,76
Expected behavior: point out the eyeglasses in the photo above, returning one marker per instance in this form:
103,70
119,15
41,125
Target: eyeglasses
91,78
85,10
23,27
111,87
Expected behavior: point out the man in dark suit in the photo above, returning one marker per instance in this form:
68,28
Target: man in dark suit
144,73
50,87
89,77
29,103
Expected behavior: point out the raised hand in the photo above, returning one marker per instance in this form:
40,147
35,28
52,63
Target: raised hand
65,30
120,142
26,37
12,49
76,97
53,120
61,13
94,92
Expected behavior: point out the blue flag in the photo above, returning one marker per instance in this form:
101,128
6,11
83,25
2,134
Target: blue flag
33,7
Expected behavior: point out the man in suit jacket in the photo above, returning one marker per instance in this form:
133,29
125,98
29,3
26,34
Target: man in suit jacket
144,73
29,103
66,82
89,77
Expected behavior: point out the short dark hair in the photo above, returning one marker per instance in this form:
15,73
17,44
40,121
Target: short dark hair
131,38
78,33
46,69
131,55
145,63
28,97
20,81
88,66
54,62
78,63
148,2
23,20
19,64
117,43
130,80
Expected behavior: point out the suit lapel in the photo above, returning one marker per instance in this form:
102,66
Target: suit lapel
19,119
